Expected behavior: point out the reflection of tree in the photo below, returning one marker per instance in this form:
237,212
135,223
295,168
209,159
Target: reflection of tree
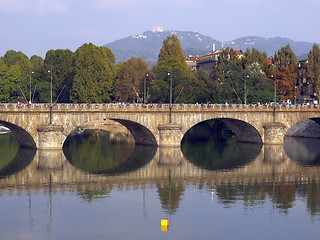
13,158
9,147
93,152
312,192
170,196
251,195
214,155
90,194
283,196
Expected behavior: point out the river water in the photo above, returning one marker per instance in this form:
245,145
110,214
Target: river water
99,188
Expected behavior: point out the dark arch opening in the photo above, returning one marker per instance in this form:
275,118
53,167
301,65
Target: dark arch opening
243,131
141,134
94,152
219,144
307,128
93,148
23,137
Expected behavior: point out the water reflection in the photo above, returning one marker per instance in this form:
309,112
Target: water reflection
170,196
220,155
95,152
282,195
233,173
305,151
13,159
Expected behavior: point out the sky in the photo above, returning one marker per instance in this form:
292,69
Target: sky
36,26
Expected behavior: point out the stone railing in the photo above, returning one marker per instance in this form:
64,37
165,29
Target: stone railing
155,106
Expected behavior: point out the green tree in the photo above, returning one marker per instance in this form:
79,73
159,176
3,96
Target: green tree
171,61
94,73
229,76
257,58
200,88
171,49
60,62
313,68
12,57
130,84
15,71
285,57
36,74
259,87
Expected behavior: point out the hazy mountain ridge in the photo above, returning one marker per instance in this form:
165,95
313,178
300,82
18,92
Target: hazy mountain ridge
148,44
269,45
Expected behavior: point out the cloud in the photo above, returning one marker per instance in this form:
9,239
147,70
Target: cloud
34,6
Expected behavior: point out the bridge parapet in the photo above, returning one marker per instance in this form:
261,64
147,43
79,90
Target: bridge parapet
154,106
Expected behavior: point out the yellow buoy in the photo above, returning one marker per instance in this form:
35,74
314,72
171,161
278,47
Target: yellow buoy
164,225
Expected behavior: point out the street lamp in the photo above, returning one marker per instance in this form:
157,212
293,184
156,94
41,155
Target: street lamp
170,106
275,97
50,71
145,89
30,87
245,89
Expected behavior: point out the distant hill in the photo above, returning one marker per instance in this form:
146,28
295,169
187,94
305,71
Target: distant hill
148,44
270,45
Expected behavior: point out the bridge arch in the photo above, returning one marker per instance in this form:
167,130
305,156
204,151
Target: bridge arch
243,131
307,128
23,137
142,135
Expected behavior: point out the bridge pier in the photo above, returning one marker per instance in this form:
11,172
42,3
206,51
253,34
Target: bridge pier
274,133
170,135
50,137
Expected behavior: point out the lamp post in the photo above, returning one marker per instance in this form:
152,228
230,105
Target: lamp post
170,106
145,89
275,97
245,89
50,71
30,87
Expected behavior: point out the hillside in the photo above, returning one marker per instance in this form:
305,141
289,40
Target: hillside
269,45
148,45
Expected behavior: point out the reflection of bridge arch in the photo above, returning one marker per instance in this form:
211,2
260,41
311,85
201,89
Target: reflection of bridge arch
271,165
22,159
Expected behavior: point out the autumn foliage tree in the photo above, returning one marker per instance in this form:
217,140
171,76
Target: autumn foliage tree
286,83
285,72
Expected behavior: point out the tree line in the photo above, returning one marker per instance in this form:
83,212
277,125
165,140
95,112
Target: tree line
90,75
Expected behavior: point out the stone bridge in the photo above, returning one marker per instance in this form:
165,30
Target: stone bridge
36,126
